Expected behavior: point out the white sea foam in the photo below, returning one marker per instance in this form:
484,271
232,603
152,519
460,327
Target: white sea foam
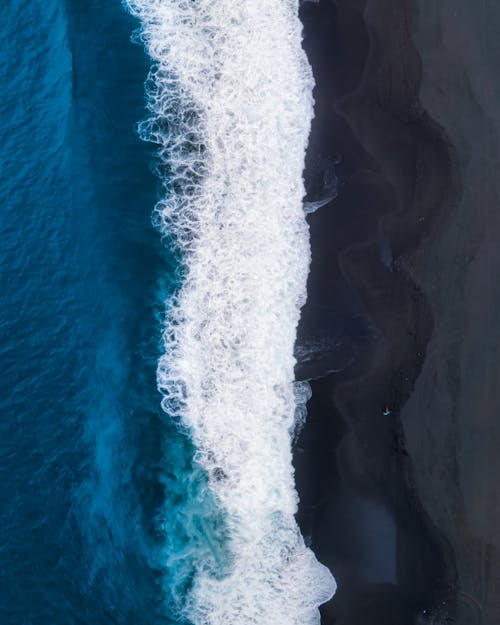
231,104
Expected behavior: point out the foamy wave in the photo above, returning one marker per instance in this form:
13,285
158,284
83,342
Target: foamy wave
231,104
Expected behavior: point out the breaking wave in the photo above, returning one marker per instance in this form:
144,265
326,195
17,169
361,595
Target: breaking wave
230,97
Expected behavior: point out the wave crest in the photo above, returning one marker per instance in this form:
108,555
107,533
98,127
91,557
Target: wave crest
231,104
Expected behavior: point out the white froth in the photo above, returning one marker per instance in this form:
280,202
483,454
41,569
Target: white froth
231,103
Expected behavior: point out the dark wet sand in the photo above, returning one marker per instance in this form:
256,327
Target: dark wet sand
380,501
452,420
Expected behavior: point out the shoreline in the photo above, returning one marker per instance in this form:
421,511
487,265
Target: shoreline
366,325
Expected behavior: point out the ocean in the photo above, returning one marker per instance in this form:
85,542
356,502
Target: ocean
148,402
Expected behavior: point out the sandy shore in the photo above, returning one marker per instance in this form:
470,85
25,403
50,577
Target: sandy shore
379,497
452,421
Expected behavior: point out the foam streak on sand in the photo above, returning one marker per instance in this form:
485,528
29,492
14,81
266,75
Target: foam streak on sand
230,97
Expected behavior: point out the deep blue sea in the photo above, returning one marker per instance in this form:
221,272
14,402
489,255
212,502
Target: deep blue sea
83,470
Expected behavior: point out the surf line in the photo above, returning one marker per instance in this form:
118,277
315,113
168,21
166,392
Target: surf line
230,102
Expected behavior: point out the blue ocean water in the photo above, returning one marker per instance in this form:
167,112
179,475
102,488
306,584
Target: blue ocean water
87,461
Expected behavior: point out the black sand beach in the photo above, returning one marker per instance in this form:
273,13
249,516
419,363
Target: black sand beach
397,466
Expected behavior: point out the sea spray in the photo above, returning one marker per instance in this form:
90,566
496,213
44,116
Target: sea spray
230,96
